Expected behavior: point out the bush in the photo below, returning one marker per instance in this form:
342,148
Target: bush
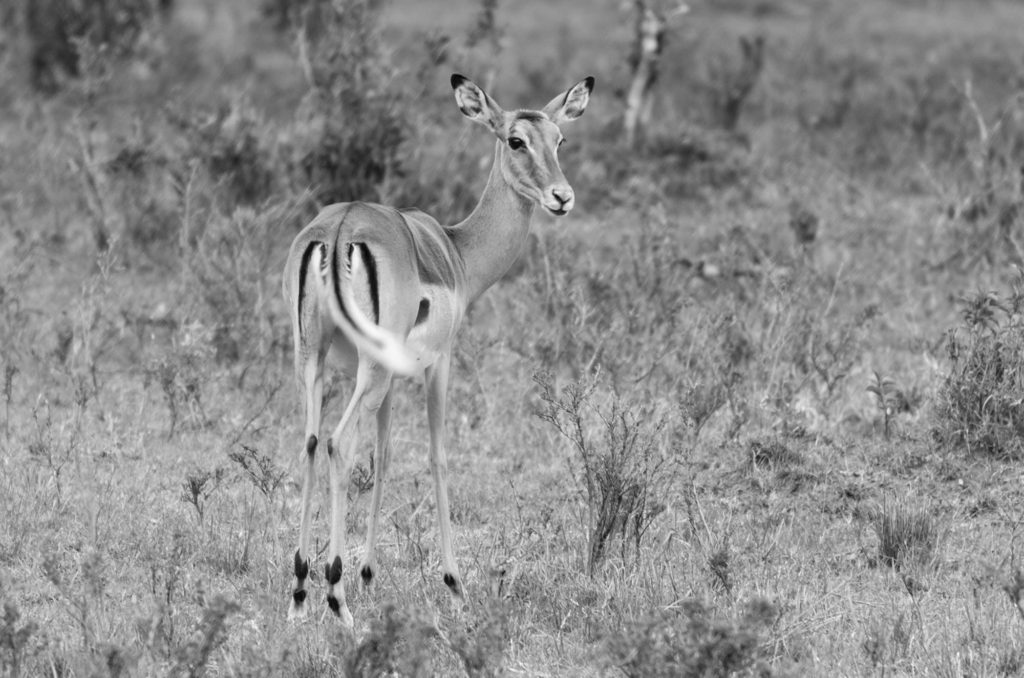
692,642
16,639
622,474
981,402
988,218
481,645
229,144
231,270
181,371
134,196
352,126
398,643
56,30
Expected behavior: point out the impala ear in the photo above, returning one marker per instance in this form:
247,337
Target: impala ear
572,103
475,104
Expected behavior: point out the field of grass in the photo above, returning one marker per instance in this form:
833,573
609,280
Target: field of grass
756,407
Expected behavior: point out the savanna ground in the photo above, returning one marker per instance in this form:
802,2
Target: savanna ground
754,407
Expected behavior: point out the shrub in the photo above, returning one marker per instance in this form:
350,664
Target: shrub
988,218
981,402
199,486
889,399
482,645
56,30
16,644
352,122
398,643
192,658
265,475
622,473
691,641
180,371
229,145
231,269
133,196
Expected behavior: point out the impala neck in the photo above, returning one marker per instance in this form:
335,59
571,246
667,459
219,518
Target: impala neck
494,235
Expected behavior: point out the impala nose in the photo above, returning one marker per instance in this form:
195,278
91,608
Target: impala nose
561,199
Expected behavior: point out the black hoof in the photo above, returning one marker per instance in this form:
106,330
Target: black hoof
332,603
367,574
299,596
311,445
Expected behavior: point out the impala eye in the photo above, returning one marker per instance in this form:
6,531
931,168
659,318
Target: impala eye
516,144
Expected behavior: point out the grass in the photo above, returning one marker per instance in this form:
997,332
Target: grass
793,348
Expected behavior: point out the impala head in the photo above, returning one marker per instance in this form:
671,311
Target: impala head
529,157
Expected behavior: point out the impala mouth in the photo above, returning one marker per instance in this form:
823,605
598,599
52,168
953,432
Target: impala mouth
559,212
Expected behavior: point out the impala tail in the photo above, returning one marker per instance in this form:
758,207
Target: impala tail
382,346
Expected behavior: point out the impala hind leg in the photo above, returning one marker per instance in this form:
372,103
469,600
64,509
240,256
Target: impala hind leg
312,381
381,458
341,452
437,393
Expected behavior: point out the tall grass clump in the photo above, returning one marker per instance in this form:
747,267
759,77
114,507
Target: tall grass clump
619,465
981,403
908,535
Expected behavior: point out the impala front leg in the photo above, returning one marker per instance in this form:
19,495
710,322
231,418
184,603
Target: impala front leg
437,393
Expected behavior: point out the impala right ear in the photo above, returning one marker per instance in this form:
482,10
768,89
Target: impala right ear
475,104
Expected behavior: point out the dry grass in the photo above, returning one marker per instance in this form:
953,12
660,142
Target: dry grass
787,345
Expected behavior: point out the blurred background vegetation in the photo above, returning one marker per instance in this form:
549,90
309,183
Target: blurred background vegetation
754,407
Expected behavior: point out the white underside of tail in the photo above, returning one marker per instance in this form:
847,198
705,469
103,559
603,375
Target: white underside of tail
382,346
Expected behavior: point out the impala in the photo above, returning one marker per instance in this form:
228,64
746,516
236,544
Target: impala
387,290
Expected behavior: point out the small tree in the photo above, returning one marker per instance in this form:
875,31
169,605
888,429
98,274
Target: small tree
651,22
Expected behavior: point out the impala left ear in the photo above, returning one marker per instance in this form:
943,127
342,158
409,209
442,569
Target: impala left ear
572,103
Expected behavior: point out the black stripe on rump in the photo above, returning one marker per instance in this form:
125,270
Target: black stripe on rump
303,268
336,279
371,273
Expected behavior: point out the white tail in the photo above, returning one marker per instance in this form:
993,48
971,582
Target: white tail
381,345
